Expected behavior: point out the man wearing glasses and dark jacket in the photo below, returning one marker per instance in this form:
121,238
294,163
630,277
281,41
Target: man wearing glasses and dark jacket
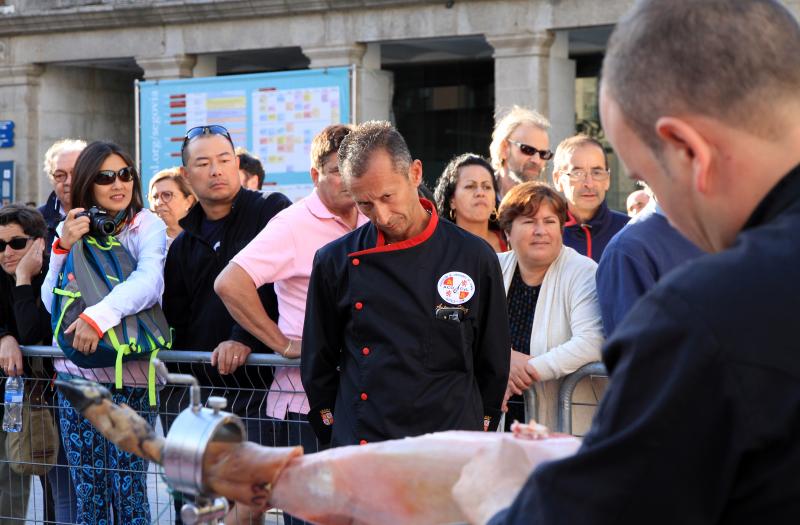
581,174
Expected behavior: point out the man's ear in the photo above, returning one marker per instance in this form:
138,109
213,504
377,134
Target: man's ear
686,149
415,172
314,175
556,181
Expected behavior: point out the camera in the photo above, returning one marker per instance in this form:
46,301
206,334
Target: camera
101,224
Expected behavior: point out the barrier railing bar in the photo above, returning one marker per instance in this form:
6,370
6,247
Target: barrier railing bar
174,356
568,388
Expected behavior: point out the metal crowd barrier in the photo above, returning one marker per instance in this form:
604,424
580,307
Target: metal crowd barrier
567,389
249,399
261,429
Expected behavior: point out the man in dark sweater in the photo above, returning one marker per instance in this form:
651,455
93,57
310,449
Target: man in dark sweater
644,251
701,420
581,173
226,218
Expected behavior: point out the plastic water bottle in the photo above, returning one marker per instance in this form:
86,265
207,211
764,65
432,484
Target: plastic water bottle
12,419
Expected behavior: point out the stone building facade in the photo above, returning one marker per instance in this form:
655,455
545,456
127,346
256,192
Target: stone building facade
67,67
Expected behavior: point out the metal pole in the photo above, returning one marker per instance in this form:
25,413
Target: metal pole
568,388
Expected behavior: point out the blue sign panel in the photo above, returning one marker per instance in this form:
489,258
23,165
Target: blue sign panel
6,133
6,182
273,115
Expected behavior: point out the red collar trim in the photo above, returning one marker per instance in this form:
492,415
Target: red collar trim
572,220
381,246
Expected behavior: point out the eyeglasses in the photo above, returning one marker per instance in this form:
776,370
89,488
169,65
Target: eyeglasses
579,175
164,197
213,129
61,176
544,154
106,177
17,243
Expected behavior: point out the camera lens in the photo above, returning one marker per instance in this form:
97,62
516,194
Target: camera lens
107,226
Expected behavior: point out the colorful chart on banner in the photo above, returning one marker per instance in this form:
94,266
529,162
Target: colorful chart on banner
273,115
285,122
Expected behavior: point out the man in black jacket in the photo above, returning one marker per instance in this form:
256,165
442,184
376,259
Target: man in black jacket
406,329
225,220
59,161
701,421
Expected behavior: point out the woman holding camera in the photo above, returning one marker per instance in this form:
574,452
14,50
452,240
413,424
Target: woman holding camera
104,476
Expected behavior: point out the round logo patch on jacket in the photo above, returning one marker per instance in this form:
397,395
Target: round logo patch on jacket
456,287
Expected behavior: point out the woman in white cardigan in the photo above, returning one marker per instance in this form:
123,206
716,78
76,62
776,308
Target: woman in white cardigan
553,309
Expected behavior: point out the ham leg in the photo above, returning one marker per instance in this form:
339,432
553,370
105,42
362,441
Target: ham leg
404,482
407,481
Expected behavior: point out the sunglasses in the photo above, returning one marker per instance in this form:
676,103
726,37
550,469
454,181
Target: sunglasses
106,177
544,154
212,129
17,243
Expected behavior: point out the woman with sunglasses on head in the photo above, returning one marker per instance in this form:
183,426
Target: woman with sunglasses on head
105,477
466,193
171,198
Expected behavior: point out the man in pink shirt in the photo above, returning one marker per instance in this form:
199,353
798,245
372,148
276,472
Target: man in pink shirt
283,254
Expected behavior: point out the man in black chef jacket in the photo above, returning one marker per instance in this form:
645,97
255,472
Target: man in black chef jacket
701,420
406,330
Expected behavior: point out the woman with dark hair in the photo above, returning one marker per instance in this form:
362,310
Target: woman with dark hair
105,477
553,311
25,321
466,193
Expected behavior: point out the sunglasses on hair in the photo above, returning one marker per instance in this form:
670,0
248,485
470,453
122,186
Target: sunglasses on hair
106,177
17,243
213,129
544,154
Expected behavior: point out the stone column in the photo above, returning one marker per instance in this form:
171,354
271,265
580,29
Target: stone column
167,67
19,102
533,69
373,88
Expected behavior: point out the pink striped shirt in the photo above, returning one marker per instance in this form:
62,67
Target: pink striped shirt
283,253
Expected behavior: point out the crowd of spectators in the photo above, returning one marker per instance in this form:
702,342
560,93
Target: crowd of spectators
239,270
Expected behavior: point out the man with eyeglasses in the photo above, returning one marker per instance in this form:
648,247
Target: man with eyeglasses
59,161
227,218
581,174
520,148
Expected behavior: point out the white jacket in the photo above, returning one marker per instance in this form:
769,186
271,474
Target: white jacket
567,330
146,239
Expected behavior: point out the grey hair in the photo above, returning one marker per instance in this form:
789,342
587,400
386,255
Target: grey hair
506,125
59,147
357,147
568,146
726,59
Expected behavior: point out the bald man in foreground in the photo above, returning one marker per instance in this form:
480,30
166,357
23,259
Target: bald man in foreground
701,421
